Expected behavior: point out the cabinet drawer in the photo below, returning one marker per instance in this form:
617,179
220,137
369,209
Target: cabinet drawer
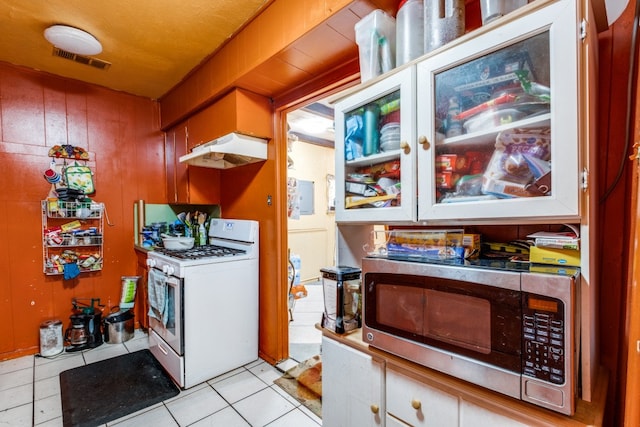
391,421
170,360
475,416
418,404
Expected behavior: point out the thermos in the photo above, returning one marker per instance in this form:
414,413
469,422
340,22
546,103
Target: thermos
443,22
371,144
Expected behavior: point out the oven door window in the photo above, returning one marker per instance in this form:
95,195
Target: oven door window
466,318
165,305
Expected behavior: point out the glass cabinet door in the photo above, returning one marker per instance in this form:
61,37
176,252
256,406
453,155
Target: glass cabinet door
375,152
500,114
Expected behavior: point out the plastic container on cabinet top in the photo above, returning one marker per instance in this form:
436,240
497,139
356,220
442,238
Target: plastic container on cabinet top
376,39
494,9
409,31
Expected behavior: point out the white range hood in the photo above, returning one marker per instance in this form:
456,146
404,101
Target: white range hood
228,151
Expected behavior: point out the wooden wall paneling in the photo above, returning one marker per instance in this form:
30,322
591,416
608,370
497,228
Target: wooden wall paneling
6,319
282,23
204,185
632,382
55,116
254,114
76,109
20,97
148,154
97,119
245,194
614,48
182,172
238,111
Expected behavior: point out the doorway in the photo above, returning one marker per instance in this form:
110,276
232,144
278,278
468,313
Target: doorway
311,220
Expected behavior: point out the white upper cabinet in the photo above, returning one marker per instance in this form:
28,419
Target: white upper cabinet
501,117
375,151
488,129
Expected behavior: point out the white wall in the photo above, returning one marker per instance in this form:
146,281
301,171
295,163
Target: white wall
313,236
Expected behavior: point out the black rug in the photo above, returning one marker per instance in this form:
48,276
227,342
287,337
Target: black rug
107,390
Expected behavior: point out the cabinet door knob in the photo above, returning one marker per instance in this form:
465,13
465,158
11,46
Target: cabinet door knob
415,404
422,140
375,408
404,145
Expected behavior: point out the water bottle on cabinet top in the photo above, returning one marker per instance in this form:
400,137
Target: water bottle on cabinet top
409,31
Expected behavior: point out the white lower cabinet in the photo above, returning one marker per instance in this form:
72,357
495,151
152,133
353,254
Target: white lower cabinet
352,387
418,404
394,422
472,415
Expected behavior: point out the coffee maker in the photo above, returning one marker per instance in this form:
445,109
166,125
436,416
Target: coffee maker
341,288
85,331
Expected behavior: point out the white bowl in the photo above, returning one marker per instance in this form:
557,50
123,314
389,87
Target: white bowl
178,243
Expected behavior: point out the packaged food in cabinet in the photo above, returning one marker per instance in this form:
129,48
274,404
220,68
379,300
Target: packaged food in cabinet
361,177
366,190
492,118
453,125
504,98
520,158
533,88
447,179
376,201
452,163
390,169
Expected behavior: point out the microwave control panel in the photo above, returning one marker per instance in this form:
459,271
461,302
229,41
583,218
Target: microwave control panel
543,333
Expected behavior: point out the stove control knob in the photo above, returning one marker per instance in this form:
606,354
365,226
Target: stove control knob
151,262
168,270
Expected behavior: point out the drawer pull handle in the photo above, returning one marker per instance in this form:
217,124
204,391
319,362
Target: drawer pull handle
162,350
415,404
375,408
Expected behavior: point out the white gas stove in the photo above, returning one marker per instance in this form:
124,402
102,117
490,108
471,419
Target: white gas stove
194,293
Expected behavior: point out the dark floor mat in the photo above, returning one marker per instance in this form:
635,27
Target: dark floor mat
107,390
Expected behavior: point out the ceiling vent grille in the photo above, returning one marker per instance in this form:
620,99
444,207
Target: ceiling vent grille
86,60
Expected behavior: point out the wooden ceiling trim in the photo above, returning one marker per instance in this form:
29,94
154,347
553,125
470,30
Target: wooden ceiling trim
248,52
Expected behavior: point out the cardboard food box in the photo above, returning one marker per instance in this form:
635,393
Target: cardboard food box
554,256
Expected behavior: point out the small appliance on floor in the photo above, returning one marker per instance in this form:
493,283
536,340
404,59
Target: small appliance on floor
342,298
85,330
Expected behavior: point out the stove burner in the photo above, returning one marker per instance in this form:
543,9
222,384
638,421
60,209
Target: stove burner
199,252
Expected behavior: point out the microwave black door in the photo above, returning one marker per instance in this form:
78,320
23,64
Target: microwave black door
474,320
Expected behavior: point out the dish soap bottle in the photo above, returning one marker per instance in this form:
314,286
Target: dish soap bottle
202,235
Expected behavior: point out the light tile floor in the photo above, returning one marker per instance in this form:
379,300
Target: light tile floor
304,337
247,396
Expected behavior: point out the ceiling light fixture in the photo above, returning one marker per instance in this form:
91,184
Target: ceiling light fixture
73,40
313,125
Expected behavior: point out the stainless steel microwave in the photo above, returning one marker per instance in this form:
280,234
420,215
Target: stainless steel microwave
502,328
